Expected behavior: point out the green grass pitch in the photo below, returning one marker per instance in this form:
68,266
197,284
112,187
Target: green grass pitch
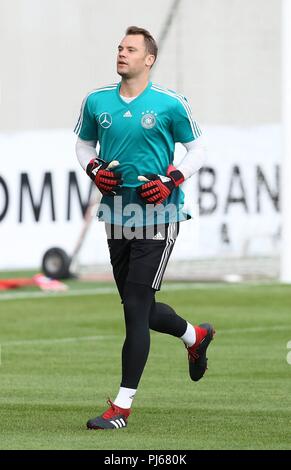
60,360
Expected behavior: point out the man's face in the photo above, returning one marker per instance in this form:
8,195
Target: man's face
132,58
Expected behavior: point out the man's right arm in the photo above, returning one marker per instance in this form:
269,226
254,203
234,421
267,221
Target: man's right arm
85,151
99,171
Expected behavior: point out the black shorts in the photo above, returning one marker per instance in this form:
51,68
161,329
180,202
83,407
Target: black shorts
142,257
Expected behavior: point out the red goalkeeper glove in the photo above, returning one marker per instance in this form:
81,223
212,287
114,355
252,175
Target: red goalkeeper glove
158,188
106,181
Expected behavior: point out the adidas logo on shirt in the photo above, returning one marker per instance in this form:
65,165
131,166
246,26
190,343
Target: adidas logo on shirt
158,236
127,114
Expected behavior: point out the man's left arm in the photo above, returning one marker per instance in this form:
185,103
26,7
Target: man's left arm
157,188
194,158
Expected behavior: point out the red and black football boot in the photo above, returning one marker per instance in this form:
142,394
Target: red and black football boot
113,418
197,353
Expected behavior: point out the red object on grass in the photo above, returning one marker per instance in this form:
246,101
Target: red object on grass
6,284
43,282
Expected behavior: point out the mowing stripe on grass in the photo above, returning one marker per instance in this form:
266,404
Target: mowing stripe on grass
112,290
106,337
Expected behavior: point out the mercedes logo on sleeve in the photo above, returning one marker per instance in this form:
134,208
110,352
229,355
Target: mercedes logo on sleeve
105,120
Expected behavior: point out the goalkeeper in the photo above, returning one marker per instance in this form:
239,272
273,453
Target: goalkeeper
137,124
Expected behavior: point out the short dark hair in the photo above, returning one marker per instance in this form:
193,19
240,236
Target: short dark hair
150,43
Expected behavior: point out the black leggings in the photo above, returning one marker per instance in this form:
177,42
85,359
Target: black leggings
141,313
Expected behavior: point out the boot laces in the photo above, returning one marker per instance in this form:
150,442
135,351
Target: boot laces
192,355
112,411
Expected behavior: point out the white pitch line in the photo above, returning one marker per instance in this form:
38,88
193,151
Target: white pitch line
77,292
254,329
56,340
46,295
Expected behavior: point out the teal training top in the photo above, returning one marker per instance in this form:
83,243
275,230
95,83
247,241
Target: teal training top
141,135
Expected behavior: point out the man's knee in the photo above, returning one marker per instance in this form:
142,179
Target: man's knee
137,300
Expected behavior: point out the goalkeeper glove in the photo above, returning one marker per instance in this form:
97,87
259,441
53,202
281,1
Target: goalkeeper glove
157,187
106,181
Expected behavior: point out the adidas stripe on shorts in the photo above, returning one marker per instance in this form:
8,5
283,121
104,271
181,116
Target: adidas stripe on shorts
142,259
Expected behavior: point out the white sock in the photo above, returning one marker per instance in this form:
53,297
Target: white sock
125,397
189,337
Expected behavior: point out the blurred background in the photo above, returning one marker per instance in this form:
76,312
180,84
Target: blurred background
224,55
